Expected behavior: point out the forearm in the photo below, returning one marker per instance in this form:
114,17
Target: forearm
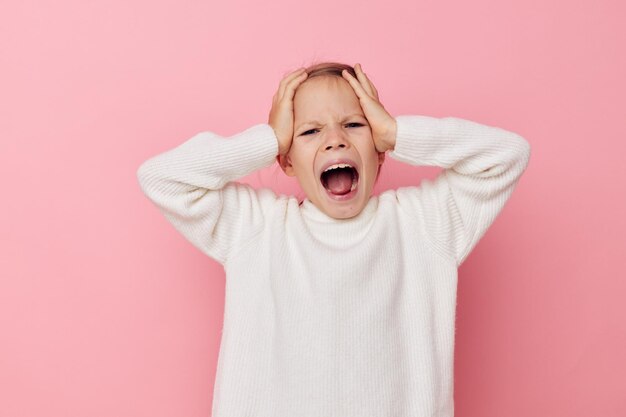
192,185
466,146
389,139
482,165
208,161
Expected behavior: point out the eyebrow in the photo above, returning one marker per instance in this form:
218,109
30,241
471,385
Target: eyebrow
316,122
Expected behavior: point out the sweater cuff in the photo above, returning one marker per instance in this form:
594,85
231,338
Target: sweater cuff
253,148
417,139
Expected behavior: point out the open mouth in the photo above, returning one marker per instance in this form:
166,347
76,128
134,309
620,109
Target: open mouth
340,180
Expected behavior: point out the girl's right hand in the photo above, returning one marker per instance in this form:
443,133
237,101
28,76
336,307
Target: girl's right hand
281,114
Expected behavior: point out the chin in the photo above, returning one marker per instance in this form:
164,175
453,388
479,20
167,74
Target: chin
344,212
343,216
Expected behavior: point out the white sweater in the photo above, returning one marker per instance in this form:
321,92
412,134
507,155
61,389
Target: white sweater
338,318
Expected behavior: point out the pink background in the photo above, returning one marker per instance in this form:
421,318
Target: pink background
105,310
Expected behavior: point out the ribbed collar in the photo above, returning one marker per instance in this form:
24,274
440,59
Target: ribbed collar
338,233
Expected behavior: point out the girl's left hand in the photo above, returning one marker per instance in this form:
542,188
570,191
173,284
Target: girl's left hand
383,125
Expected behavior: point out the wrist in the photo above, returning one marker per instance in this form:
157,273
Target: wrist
282,150
390,137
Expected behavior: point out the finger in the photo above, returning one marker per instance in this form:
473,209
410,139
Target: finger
364,80
371,84
375,90
283,82
286,80
356,85
292,83
290,88
372,88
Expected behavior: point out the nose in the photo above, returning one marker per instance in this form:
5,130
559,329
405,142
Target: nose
335,138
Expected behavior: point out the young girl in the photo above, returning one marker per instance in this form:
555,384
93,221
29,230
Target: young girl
342,305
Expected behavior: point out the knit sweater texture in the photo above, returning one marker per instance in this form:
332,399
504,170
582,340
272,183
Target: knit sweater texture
333,317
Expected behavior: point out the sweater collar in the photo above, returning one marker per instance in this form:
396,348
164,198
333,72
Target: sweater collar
338,233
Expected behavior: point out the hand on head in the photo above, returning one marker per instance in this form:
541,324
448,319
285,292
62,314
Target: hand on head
281,113
383,125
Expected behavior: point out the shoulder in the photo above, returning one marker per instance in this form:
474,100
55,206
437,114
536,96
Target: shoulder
407,203
264,200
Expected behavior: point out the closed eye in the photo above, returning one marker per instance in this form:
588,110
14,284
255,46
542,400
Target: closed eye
307,132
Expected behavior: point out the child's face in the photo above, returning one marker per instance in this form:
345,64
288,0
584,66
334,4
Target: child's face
329,125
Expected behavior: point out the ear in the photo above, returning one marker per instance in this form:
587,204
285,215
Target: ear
285,163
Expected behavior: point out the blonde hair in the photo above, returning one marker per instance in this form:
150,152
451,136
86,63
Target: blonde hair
329,68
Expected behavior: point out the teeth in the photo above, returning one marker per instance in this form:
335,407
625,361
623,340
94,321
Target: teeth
338,166
353,184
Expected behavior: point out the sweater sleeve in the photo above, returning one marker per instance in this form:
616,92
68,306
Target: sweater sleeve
482,165
193,186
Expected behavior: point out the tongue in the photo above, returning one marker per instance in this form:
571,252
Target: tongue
339,181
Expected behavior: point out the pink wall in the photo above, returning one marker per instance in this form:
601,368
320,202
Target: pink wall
106,311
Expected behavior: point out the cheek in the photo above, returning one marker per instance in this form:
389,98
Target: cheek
365,137
367,148
302,161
